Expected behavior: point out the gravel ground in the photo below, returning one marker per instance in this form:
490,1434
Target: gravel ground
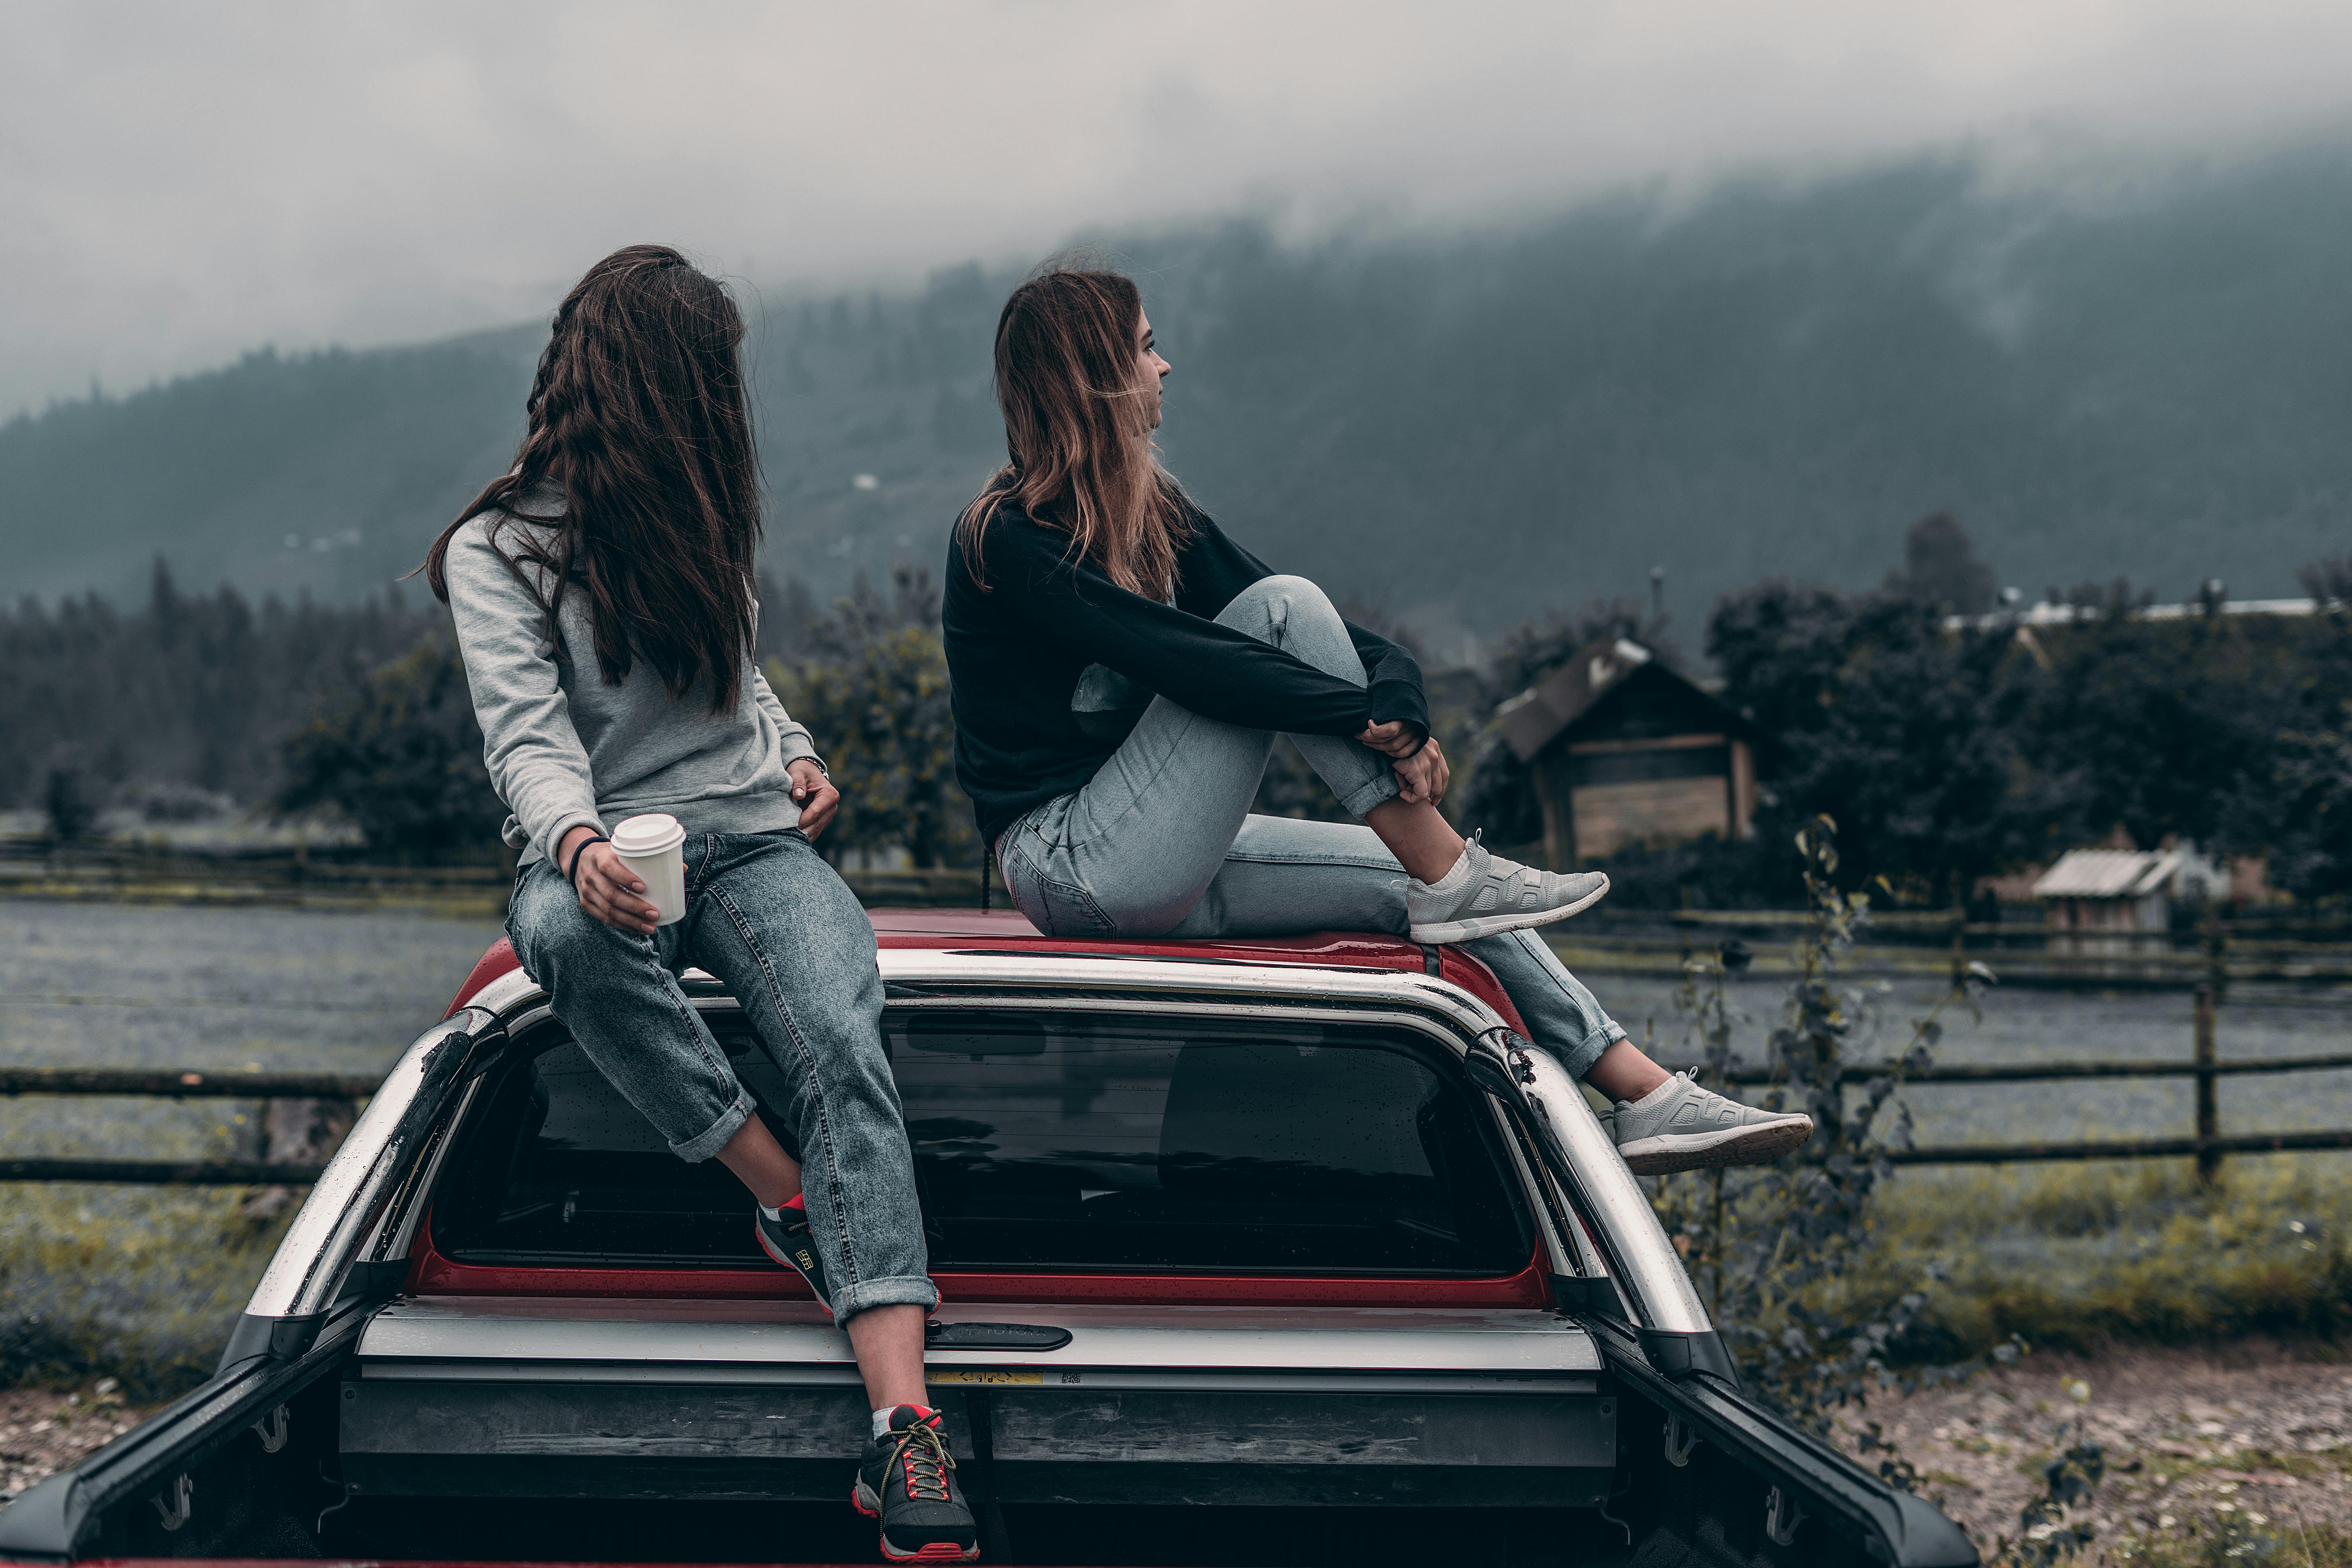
42,1431
2191,1438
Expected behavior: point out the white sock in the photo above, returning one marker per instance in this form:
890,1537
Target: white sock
1664,1091
776,1213
882,1421
1454,880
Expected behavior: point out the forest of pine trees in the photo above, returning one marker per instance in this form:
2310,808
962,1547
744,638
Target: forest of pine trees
185,701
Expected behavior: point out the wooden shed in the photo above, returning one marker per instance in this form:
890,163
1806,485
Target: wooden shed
1626,752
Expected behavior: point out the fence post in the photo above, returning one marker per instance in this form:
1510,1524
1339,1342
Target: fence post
297,1132
2209,995
2208,1120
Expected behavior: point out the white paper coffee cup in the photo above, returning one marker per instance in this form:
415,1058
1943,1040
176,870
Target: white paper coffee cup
649,848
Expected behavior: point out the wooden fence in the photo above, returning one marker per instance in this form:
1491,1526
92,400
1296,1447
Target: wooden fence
290,881
164,1083
2026,956
2207,1145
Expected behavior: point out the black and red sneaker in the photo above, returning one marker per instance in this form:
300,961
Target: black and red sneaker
786,1239
906,1478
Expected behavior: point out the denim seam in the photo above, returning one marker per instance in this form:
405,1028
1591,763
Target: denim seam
1015,856
1027,823
889,1290
1039,882
1364,862
1381,787
1109,926
666,984
1009,850
815,1086
1583,1058
717,1136
1135,796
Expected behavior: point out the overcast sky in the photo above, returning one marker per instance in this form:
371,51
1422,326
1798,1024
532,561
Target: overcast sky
179,182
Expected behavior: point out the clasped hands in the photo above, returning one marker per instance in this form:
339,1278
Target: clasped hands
1422,774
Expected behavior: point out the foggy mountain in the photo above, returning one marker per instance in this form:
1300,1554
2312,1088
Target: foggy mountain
2151,379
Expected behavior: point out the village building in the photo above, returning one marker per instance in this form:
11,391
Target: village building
2110,893
1626,752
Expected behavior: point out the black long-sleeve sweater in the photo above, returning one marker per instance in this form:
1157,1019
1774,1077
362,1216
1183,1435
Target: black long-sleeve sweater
1017,649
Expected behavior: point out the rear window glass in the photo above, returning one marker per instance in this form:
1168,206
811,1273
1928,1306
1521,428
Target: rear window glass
1046,1142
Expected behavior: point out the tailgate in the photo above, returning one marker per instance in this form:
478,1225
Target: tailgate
490,1396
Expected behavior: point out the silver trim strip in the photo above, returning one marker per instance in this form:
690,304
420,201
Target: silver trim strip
405,1214
688,1336
1563,1252
501,995
352,1195
1083,978
1076,1380
1645,1261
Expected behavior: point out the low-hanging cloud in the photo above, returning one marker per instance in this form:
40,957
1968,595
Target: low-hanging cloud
184,183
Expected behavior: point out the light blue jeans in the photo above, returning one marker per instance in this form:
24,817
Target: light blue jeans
1161,842
767,916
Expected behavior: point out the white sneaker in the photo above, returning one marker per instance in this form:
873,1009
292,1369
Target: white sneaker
1678,1126
1485,895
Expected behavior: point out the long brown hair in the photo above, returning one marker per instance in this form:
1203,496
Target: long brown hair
638,415
1068,369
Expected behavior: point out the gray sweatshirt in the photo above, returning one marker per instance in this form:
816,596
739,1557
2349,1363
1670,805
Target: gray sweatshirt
563,748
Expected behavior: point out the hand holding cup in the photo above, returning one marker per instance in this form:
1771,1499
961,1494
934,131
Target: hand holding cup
624,883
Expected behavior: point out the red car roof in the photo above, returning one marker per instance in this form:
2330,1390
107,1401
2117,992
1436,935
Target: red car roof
976,930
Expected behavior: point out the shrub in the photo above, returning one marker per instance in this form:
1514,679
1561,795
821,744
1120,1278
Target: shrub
1784,1255
401,755
71,793
878,712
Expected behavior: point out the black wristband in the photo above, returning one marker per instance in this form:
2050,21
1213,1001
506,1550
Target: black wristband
572,872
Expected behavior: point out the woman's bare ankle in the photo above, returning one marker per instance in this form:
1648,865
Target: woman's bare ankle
1624,1072
1418,834
761,1164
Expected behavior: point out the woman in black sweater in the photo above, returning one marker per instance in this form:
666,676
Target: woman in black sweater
1121,671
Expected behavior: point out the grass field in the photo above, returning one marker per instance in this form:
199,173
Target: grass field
142,1283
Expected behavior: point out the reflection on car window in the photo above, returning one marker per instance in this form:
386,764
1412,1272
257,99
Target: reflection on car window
1055,1141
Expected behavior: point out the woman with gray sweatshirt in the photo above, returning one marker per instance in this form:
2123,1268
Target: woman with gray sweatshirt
602,594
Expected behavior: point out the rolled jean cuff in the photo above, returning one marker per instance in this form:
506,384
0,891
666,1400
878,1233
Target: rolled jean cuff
1586,1053
1381,786
712,1139
891,1290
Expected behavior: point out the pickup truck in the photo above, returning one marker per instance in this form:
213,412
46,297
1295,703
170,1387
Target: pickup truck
1266,1251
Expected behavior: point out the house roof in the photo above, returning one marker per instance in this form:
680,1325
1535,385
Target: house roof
2109,874
1535,716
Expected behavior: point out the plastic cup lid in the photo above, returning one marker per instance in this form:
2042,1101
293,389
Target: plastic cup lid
649,835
